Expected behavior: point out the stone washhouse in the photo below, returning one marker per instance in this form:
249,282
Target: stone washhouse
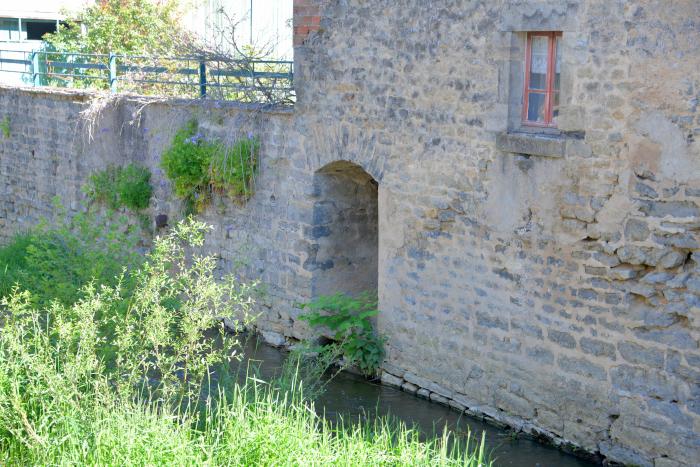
519,180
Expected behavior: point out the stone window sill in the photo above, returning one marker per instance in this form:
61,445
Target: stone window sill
532,144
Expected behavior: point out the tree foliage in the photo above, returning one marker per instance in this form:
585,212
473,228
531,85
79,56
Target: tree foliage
122,27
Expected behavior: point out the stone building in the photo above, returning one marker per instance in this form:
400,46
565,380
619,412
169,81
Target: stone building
519,179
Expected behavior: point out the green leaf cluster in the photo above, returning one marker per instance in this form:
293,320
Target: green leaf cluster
350,321
198,167
54,262
117,187
121,27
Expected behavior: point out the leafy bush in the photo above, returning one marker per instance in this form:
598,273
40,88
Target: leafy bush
117,187
55,262
121,27
196,166
349,320
155,400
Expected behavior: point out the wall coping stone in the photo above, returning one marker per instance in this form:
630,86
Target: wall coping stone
81,95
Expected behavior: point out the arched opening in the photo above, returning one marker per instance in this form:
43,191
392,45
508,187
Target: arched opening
344,251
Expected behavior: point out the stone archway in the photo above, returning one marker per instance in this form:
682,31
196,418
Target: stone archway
344,232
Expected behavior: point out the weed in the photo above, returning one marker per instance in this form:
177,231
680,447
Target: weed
5,127
54,262
350,321
121,187
196,167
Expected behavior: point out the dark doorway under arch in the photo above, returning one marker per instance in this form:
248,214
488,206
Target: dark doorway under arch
345,230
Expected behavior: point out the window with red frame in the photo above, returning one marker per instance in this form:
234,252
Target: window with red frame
541,96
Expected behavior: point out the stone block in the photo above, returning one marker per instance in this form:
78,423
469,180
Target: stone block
636,230
435,397
623,273
670,209
562,338
572,118
275,339
644,381
491,321
637,354
582,367
391,380
598,347
531,144
678,338
427,384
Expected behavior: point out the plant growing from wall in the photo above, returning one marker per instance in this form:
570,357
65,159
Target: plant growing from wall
198,167
55,261
232,168
350,321
5,127
121,187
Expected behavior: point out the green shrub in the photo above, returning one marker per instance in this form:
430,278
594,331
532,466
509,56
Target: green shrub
54,262
155,400
136,27
121,187
196,167
349,320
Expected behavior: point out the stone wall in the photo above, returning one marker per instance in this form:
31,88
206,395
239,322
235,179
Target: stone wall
552,283
59,138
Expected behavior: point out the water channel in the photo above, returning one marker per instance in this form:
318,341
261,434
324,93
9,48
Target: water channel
352,397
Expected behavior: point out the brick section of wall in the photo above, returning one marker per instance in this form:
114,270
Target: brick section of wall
307,18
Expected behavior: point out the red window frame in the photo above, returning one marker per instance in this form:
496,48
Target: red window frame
548,92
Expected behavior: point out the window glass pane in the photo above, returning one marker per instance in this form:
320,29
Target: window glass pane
535,107
8,30
557,59
539,52
37,29
555,107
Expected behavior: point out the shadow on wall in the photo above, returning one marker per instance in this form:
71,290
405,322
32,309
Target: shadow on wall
344,235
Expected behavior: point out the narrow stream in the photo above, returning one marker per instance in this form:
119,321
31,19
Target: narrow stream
353,397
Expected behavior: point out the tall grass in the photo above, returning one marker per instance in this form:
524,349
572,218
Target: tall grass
141,390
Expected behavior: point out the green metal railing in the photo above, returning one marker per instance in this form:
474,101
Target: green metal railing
270,81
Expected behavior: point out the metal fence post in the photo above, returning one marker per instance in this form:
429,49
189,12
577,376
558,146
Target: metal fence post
202,79
36,77
112,72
